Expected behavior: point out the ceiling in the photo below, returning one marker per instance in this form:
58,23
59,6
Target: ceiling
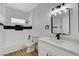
26,7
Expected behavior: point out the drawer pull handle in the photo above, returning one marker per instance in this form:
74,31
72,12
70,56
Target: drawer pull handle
47,54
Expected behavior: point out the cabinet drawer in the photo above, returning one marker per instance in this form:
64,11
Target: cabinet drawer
41,52
55,50
44,52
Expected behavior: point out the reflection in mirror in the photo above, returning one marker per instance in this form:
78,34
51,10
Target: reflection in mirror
60,22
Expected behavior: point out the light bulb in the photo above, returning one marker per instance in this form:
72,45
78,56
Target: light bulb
59,12
65,10
51,12
55,14
61,5
55,9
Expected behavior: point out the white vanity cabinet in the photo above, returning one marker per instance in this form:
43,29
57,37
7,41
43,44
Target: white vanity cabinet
42,50
47,49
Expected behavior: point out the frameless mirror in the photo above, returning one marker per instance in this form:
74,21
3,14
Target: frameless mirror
60,22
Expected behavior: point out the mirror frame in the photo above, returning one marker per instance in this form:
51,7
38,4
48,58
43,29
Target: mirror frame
52,24
78,17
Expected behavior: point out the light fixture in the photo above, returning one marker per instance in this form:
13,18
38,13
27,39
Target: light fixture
55,14
59,9
59,12
65,10
61,6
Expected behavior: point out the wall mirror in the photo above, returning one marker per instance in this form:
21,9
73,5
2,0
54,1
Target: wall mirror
60,22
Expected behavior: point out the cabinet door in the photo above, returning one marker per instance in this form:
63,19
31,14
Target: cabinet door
42,52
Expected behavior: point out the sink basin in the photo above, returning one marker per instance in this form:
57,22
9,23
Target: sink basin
52,39
60,42
65,43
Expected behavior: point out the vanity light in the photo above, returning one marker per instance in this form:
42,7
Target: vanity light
59,9
55,14
59,12
65,10
55,9
62,8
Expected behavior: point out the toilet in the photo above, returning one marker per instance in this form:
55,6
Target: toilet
30,46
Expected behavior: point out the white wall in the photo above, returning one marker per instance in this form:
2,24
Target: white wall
0,38
15,39
2,13
14,13
11,40
2,20
41,18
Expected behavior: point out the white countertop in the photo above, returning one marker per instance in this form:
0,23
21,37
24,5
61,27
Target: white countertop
70,46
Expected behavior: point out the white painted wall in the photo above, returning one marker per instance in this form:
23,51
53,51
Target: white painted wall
0,38
10,13
2,20
41,18
14,40
11,40
26,7
2,13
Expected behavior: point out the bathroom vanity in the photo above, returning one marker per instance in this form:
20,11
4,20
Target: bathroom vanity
53,47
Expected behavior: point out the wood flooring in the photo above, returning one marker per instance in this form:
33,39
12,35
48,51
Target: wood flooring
23,53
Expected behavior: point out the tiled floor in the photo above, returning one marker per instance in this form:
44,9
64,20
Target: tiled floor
23,53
